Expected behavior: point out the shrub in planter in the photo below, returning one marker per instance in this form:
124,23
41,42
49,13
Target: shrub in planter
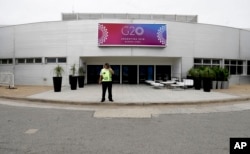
73,78
220,77
57,79
216,76
225,82
195,74
207,75
81,77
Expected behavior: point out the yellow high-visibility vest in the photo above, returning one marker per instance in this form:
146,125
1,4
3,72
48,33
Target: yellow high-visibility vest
106,75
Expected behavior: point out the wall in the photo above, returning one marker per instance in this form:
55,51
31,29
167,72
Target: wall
78,39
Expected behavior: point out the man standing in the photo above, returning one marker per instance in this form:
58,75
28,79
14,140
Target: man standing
106,81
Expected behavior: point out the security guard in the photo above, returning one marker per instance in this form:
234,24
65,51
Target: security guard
106,81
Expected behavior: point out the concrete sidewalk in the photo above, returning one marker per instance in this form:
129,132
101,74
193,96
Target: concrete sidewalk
127,95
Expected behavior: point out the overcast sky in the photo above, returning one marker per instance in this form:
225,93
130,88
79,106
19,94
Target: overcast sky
232,13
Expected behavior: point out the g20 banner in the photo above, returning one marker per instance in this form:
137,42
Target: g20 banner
115,34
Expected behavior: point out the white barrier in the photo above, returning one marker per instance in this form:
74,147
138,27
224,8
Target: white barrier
7,78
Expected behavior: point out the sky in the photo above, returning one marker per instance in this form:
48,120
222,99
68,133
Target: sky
231,13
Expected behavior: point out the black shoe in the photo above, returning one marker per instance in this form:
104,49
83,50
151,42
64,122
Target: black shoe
102,100
111,100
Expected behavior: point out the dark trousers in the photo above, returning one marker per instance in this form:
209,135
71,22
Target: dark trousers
105,86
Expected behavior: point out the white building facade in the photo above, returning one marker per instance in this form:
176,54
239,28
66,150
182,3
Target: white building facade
31,51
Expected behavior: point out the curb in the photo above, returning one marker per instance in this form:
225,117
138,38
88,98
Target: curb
200,102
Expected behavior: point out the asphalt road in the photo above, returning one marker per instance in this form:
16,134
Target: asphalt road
25,130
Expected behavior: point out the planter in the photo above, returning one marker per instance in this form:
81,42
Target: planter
219,84
214,84
197,83
57,82
207,84
81,81
73,82
225,85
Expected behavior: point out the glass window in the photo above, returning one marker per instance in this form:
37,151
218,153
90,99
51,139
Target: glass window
4,61
38,60
21,61
215,61
239,70
10,61
233,62
62,60
240,62
197,61
207,61
235,66
226,61
51,60
29,60
248,67
233,70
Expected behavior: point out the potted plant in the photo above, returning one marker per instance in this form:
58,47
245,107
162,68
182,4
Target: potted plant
57,79
195,74
81,77
207,75
73,78
216,76
220,77
225,82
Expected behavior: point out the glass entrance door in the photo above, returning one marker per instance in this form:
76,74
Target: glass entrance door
129,74
116,76
146,72
163,72
93,73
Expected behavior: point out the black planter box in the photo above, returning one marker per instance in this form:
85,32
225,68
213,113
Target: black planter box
81,81
57,82
73,82
207,84
197,83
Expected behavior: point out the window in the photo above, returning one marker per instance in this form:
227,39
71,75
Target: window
216,62
28,60
56,60
198,62
62,60
235,67
38,60
207,61
21,61
248,67
51,60
5,61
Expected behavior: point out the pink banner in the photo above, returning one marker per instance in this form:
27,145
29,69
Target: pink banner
114,34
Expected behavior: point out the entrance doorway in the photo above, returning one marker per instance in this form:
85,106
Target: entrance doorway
129,74
116,75
163,72
93,73
146,72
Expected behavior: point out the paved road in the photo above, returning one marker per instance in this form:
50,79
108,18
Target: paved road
25,130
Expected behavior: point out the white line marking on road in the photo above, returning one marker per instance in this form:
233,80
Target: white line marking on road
31,131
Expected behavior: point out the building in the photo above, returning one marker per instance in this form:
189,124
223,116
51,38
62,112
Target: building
31,51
